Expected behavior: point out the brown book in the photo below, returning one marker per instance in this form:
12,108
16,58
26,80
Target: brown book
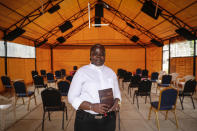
106,97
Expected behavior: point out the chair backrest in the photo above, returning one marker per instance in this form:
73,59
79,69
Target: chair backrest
138,71
50,76
174,76
63,86
144,73
43,72
168,97
38,80
19,87
188,77
33,73
166,79
127,76
5,80
69,78
145,86
154,76
51,97
189,86
63,72
135,80
58,74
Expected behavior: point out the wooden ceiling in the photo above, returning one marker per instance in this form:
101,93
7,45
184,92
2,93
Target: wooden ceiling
116,13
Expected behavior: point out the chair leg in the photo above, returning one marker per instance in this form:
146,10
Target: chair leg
166,117
193,102
49,116
149,115
176,119
35,99
157,120
23,101
43,121
130,91
137,101
150,98
16,98
134,97
66,114
181,102
63,120
29,103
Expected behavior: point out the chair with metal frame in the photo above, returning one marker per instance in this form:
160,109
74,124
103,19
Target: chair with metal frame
167,102
58,75
165,82
6,83
34,73
50,78
154,78
63,73
51,99
63,87
189,89
135,81
21,92
39,83
144,73
144,89
43,73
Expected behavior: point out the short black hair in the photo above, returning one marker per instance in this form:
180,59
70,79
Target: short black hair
97,46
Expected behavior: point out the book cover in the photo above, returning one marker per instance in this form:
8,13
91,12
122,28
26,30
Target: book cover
106,97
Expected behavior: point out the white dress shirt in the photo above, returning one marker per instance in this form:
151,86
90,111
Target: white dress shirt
86,83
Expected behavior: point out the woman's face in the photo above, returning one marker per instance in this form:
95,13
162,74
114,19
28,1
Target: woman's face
97,56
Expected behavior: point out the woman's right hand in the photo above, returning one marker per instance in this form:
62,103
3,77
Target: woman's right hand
100,108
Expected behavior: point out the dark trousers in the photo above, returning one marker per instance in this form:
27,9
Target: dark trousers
87,122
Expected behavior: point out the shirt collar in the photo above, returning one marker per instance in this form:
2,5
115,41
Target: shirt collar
97,67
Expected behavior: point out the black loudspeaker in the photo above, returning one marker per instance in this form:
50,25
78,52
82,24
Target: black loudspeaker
14,34
134,38
186,34
54,9
64,27
157,43
149,8
41,43
61,39
99,10
97,21
130,25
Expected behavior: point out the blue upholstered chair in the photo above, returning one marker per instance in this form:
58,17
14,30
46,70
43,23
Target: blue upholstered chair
58,74
63,73
167,102
21,92
6,82
165,82
63,87
50,78
43,73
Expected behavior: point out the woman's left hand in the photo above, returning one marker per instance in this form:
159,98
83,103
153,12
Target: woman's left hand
116,106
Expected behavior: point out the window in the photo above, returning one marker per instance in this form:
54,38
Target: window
2,48
165,58
17,50
182,49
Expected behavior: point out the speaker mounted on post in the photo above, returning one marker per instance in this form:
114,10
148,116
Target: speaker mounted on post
64,27
41,43
97,21
149,8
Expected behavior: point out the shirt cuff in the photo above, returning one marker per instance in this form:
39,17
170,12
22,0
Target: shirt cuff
76,103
